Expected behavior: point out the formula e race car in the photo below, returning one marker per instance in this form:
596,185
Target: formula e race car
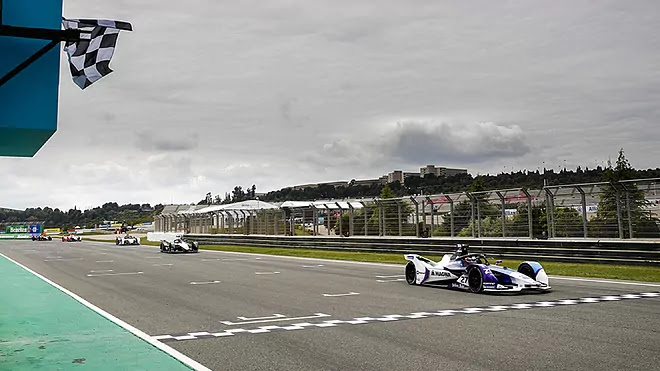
71,238
127,240
473,272
42,238
178,244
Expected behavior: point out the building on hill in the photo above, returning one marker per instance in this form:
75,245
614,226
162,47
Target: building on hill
400,176
369,182
440,171
316,185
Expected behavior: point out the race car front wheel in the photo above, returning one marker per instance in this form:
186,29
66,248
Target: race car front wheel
475,280
527,270
411,273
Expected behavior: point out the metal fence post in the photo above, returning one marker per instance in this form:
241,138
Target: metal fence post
327,214
619,217
423,204
628,211
430,202
416,215
341,219
364,212
351,215
583,202
315,219
478,216
472,201
451,215
398,212
499,194
530,216
380,218
550,211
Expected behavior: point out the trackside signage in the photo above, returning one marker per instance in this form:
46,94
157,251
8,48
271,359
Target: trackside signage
14,236
18,229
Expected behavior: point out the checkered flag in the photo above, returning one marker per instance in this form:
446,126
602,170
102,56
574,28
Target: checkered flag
89,57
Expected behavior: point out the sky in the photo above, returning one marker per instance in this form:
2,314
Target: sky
209,94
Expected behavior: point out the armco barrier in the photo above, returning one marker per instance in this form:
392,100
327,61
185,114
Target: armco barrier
583,251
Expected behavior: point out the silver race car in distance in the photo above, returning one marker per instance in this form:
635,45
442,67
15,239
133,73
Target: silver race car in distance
473,272
127,240
178,244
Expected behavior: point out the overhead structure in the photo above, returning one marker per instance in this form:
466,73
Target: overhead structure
30,30
30,35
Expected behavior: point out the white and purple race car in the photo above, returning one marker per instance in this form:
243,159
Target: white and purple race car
473,272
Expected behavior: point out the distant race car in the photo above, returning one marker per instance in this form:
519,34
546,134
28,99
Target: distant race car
42,238
127,240
473,272
71,238
178,244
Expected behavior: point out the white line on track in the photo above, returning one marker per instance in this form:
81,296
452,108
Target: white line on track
102,271
114,274
61,259
313,266
392,280
392,276
142,335
276,315
208,260
348,294
162,265
260,273
204,283
603,281
316,315
105,261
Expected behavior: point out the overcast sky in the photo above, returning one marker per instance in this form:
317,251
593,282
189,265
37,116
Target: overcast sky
209,94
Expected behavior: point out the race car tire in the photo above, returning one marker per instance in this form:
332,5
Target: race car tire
117,242
411,273
527,270
475,280
162,247
50,238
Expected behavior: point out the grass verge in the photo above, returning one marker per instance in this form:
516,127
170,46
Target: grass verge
609,271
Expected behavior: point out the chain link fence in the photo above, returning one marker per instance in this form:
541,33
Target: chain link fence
625,209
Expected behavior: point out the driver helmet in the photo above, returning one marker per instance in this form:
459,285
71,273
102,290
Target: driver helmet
462,249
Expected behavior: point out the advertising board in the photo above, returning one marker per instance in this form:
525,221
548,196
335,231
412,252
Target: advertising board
17,229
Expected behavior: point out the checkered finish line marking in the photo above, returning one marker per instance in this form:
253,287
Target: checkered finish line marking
401,317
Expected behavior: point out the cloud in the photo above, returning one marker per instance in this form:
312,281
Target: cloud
433,142
322,92
168,142
414,143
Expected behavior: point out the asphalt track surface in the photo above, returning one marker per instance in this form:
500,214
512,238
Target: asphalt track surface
232,311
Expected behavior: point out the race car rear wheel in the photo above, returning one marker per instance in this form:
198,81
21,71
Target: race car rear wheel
527,270
475,280
411,273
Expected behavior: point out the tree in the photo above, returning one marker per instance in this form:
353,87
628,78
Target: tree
238,194
625,201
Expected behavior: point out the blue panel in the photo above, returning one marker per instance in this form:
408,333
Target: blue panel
29,101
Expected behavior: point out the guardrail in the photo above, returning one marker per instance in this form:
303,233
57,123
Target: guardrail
582,251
